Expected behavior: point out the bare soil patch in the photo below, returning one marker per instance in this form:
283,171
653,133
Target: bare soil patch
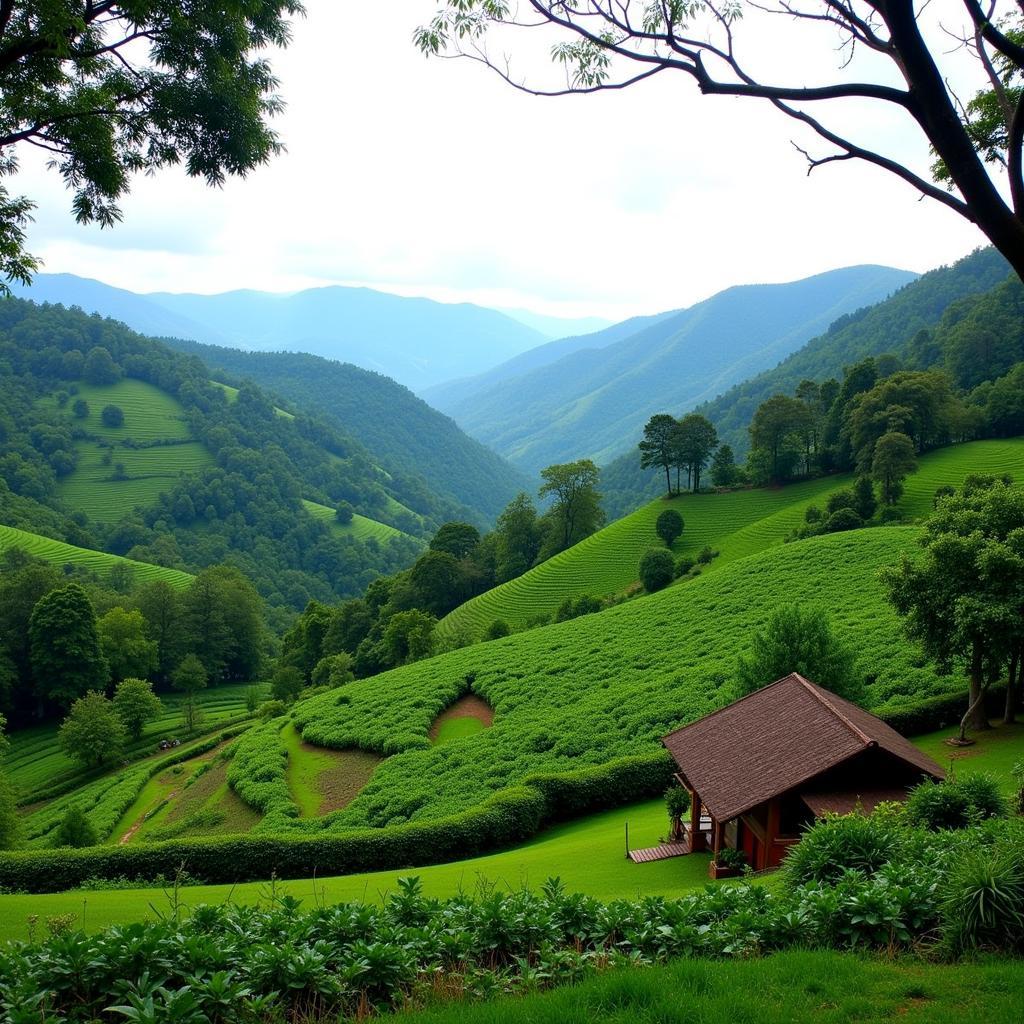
341,782
469,706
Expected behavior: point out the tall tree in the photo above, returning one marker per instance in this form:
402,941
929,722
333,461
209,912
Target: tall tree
776,424
518,538
161,607
893,55
963,598
658,448
893,460
575,510
136,704
10,822
457,539
67,660
724,472
190,677
129,652
92,732
697,439
110,89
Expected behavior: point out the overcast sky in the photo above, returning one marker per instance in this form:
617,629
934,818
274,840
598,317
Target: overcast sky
430,177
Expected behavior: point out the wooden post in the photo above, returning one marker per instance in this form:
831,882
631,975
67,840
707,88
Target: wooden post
627,840
697,843
716,838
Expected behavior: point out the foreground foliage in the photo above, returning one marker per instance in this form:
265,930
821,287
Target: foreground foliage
277,962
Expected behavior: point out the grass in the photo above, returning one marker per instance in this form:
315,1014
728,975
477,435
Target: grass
99,562
466,717
35,761
996,751
151,417
802,987
361,527
587,854
737,524
611,684
322,780
457,729
232,394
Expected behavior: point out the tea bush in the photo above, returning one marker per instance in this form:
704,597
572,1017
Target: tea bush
956,803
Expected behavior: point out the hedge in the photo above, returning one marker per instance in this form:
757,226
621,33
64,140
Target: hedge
509,817
938,712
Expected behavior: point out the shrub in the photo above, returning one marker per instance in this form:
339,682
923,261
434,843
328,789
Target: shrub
272,709
1018,776
707,554
75,829
890,515
837,844
286,683
844,519
497,629
983,901
669,526
813,514
946,491
683,566
731,860
839,500
80,409
343,513
657,569
955,803
677,802
112,416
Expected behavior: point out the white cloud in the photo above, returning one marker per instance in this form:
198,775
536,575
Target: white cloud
434,178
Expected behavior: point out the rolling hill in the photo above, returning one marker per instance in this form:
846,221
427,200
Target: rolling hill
418,342
594,401
737,524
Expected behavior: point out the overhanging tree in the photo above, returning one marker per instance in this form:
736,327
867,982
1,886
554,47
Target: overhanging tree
889,56
107,89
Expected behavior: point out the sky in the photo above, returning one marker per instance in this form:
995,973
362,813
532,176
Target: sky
434,178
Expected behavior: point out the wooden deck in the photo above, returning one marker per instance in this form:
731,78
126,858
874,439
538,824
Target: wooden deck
660,852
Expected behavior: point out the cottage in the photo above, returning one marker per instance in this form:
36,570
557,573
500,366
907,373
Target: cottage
765,766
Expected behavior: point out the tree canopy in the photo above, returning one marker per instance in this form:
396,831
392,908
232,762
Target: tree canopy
894,57
109,89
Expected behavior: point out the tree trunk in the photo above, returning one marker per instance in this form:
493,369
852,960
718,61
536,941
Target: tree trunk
1012,683
975,717
668,480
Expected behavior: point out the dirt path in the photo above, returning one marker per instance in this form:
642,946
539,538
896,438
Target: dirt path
141,820
470,706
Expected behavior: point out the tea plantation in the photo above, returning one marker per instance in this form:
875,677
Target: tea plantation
361,527
590,690
737,524
152,446
99,562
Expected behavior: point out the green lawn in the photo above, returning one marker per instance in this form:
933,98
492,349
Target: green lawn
737,524
996,751
800,987
99,562
458,728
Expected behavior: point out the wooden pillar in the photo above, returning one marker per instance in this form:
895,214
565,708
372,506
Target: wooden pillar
716,838
697,843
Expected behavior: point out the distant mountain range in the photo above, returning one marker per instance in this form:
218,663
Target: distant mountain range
590,395
417,342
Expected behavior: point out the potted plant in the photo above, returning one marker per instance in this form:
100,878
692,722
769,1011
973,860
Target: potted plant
728,863
677,802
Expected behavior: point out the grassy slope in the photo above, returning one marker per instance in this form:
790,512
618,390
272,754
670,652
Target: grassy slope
588,855
803,987
737,524
610,684
99,562
149,415
361,527
35,759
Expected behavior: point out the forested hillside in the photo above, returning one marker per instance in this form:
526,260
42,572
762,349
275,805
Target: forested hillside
406,436
593,402
112,441
885,328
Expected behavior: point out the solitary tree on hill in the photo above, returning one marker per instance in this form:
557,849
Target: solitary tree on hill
894,57
669,526
92,732
894,458
136,704
575,511
658,448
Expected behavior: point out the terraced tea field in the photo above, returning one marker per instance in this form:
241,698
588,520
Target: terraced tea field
36,763
361,527
737,524
99,562
151,417
603,686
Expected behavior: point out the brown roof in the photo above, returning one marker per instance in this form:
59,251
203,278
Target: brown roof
821,804
776,739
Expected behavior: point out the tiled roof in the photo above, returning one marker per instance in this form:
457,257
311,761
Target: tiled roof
776,739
